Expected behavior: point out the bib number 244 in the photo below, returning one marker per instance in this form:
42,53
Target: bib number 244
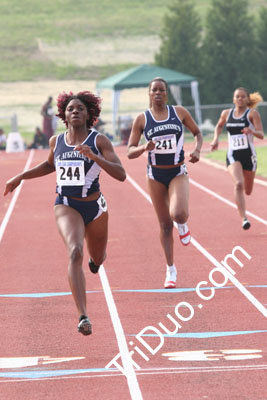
70,173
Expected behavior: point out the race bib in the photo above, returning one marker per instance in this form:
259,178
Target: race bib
239,142
164,144
70,173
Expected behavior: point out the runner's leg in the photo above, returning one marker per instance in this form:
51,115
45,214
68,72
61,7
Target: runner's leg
179,198
71,227
96,236
160,199
236,172
249,181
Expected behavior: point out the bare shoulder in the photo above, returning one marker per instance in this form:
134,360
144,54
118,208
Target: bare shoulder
52,142
225,112
103,142
140,120
253,112
180,109
182,113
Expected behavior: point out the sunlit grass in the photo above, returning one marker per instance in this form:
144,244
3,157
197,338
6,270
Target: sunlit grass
25,23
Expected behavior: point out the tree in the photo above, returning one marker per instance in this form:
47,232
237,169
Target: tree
261,34
229,51
180,38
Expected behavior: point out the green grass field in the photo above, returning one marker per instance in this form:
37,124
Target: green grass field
28,26
62,40
220,156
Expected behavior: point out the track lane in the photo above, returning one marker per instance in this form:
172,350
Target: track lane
135,262
229,323
34,262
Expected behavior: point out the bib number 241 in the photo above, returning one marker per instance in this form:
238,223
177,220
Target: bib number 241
165,144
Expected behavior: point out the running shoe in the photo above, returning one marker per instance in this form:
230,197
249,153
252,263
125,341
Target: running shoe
93,267
170,281
184,234
169,284
245,224
84,326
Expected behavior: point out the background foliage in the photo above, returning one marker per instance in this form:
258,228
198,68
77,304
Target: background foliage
228,51
28,27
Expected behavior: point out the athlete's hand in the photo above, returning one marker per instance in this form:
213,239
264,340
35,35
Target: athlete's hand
247,131
85,150
194,156
12,184
214,145
150,146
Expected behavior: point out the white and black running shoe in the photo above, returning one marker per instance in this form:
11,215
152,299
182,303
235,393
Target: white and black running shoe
84,326
245,224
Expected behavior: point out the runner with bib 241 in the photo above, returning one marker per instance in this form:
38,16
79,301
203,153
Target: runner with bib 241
167,178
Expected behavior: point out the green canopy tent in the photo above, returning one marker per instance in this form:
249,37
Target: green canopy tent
141,76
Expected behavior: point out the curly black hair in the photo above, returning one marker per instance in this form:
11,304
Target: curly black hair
91,101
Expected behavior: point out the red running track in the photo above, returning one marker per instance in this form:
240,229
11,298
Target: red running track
214,352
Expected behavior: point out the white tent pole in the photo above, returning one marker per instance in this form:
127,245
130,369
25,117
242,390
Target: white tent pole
176,93
195,96
115,107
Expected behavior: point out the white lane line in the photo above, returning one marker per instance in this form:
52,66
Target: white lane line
210,370
120,336
213,260
14,199
232,278
219,166
224,200
203,368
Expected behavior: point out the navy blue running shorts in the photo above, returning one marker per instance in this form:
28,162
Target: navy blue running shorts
89,210
165,175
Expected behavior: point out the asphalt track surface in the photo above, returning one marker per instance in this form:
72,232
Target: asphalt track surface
186,343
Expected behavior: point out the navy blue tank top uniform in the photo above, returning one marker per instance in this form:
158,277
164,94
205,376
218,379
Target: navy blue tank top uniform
78,176
240,146
168,137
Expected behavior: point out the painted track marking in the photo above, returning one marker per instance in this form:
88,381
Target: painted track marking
120,336
150,371
212,259
222,167
14,199
126,359
224,200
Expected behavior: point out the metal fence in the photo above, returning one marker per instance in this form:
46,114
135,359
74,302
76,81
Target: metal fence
211,113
